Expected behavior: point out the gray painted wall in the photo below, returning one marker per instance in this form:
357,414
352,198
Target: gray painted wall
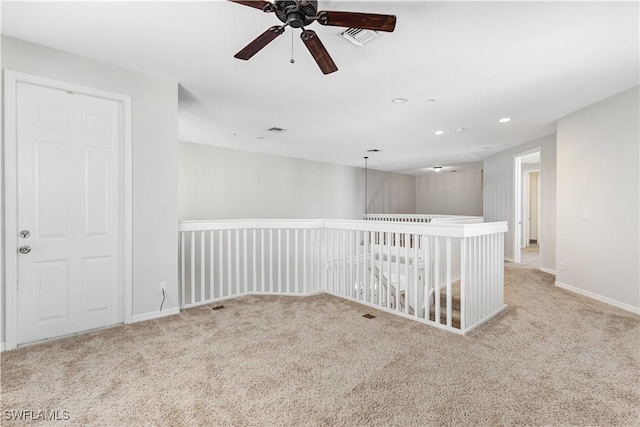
452,193
499,196
155,183
598,199
222,183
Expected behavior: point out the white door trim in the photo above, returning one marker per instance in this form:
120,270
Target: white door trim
517,208
11,80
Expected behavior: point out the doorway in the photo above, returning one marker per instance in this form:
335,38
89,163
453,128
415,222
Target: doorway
527,235
67,208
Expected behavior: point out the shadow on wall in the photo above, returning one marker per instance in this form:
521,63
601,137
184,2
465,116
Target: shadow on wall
450,193
391,193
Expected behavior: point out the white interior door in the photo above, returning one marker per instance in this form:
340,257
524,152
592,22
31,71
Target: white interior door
68,149
534,197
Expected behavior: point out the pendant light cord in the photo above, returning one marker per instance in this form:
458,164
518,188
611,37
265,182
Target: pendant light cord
366,181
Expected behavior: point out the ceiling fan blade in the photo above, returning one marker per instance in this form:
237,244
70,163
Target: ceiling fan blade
261,41
257,4
318,51
370,21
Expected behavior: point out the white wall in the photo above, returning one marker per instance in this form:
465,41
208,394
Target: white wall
223,183
598,200
155,116
499,196
452,193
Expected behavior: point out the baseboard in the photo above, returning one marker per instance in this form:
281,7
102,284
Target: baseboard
547,270
290,294
217,300
509,259
626,307
486,319
155,314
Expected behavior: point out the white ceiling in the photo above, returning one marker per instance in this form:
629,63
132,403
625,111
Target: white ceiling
480,61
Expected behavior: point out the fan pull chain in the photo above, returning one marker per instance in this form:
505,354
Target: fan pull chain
292,60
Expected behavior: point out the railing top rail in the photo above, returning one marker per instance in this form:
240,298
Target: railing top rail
229,224
453,229
420,215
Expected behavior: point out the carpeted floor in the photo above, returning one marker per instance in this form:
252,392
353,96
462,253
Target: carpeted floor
551,358
530,257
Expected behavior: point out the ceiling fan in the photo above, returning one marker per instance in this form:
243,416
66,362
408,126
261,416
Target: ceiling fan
300,13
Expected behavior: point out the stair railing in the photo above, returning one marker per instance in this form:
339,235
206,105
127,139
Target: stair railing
446,275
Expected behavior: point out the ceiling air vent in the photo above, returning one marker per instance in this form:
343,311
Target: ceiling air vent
359,36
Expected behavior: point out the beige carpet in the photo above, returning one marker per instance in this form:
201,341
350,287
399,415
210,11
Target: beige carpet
529,257
552,358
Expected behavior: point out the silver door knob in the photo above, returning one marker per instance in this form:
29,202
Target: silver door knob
24,249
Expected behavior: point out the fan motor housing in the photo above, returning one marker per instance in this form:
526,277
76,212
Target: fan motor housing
296,14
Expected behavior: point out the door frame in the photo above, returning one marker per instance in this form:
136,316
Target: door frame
525,209
518,197
527,200
10,200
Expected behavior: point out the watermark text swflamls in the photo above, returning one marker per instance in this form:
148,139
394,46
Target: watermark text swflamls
35,415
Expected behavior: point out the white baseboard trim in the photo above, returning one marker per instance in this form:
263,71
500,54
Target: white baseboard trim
155,314
509,259
281,294
547,270
626,307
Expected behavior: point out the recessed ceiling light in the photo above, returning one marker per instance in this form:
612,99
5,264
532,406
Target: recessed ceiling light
505,119
437,168
399,100
439,132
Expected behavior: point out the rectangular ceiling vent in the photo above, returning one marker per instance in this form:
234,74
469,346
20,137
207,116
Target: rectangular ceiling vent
359,36
276,129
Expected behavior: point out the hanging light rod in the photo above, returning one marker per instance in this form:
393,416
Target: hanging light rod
365,187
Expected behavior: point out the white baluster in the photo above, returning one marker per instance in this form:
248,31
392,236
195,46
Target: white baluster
407,283
229,264
183,283
271,260
193,268
255,267
212,270
288,257
448,281
437,281
358,284
220,264
245,262
279,260
297,237
202,266
263,278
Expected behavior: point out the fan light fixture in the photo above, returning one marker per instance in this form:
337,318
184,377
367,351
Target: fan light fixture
437,168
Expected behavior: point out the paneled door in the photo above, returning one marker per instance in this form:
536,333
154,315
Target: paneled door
68,220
